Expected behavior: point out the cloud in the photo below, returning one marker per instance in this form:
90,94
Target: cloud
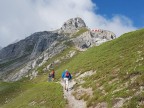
20,18
118,24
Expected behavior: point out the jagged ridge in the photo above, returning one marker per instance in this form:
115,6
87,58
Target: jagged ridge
33,51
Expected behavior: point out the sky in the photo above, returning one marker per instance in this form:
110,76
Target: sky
21,18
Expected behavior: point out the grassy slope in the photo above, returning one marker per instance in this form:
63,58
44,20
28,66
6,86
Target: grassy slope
36,93
81,31
119,60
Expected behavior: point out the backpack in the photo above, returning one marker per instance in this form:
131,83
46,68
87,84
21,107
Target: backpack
67,74
53,72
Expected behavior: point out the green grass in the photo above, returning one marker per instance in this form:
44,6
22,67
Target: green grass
11,90
117,59
42,95
36,95
59,65
81,31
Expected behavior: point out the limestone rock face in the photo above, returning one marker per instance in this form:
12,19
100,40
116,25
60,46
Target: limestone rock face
32,46
21,59
92,38
72,25
53,50
18,54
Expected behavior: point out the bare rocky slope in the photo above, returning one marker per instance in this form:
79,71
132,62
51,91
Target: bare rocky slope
20,58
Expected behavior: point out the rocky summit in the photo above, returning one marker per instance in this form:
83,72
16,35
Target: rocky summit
20,58
72,25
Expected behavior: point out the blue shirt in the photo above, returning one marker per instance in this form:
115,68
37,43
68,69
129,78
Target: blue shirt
63,75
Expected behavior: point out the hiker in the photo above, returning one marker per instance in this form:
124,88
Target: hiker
66,76
49,77
53,75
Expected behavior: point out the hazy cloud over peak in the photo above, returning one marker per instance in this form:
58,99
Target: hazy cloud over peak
20,18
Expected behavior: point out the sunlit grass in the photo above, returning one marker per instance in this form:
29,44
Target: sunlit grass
116,62
114,59
42,94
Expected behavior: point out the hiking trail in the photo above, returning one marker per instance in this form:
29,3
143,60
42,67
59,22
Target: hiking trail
72,102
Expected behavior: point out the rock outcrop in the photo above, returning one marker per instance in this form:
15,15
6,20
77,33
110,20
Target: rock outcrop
24,57
72,25
32,46
93,38
19,54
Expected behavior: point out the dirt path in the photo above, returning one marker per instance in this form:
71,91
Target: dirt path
72,102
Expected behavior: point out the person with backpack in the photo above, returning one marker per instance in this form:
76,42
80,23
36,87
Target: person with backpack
53,75
66,76
49,77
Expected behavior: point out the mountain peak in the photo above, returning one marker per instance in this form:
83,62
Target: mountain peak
72,25
39,47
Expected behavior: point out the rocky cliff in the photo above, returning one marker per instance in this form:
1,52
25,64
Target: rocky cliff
72,25
17,59
31,46
92,38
